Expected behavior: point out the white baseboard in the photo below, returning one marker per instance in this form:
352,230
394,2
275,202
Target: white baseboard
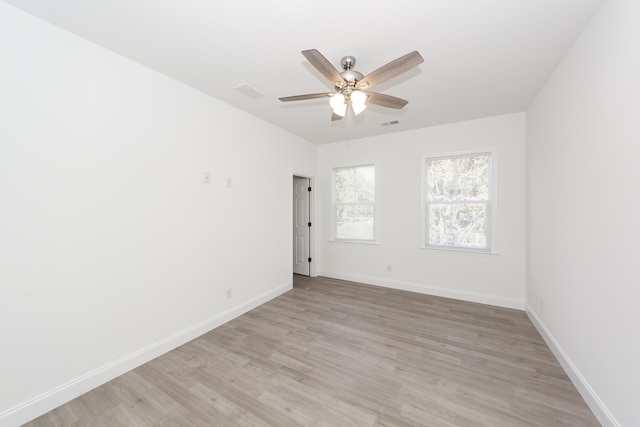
64,393
429,290
596,405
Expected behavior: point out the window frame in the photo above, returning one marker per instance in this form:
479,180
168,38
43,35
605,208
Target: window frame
491,202
334,206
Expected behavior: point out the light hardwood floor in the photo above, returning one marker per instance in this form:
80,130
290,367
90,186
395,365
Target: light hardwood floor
336,353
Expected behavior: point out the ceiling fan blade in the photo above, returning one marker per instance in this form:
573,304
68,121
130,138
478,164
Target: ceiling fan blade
386,100
335,117
391,70
303,97
323,65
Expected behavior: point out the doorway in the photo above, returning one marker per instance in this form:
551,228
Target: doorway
302,225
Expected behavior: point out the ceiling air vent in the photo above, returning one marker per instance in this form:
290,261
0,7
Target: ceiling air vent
391,123
249,91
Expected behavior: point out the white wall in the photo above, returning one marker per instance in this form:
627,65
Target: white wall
493,279
112,250
583,212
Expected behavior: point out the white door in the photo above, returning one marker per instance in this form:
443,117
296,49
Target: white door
301,226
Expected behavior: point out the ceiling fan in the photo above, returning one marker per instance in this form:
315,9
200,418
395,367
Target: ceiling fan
350,84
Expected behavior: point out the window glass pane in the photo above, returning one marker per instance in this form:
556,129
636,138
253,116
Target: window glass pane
355,185
354,222
462,225
365,184
458,178
344,179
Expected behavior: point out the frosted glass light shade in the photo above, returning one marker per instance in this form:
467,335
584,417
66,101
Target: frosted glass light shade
358,98
337,101
358,108
341,110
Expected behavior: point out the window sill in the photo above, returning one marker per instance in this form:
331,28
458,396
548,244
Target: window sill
444,249
356,242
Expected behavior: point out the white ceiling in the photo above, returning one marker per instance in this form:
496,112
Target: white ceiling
482,57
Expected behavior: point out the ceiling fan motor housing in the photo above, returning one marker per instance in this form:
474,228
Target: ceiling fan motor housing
350,75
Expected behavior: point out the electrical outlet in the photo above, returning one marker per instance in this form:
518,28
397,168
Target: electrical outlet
206,178
229,182
228,293
541,304
389,268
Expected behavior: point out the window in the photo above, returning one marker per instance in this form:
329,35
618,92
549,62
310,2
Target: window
458,199
354,203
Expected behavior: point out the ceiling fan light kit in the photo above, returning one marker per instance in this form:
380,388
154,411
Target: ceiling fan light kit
339,102
349,84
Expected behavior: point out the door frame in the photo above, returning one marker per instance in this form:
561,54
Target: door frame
313,267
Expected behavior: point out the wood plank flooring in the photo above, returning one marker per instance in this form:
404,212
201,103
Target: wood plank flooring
336,353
